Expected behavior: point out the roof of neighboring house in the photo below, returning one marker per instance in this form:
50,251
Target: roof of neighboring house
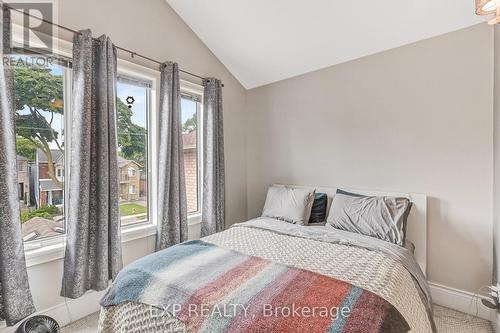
49,185
57,156
123,162
189,140
21,158
42,227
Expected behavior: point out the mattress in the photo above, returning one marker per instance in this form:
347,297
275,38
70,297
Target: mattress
371,267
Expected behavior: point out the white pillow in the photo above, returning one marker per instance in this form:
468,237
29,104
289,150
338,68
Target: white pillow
289,204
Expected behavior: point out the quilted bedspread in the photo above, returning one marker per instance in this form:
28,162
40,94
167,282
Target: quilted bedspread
266,276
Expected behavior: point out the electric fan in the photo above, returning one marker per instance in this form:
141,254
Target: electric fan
39,324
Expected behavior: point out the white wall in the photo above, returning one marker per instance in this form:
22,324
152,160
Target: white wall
151,28
413,119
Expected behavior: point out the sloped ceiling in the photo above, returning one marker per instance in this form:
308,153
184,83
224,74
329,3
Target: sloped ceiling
263,41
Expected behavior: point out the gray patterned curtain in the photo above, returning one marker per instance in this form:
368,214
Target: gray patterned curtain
15,296
213,208
93,249
172,206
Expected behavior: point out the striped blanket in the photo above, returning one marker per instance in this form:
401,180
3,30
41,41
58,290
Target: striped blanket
212,289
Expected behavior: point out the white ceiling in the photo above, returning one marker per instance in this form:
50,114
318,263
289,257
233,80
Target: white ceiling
263,41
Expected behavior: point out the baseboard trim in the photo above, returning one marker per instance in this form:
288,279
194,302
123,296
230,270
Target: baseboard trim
460,300
69,311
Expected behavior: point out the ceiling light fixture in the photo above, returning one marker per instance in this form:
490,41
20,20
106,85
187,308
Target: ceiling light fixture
489,7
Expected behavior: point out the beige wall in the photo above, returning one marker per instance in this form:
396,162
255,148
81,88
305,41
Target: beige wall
414,119
496,150
152,28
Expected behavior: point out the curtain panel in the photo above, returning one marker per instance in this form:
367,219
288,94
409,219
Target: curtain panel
93,249
172,205
213,207
16,301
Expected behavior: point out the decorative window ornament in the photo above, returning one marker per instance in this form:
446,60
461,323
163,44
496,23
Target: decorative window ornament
130,100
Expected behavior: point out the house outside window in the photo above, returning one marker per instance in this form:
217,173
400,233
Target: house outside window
190,115
131,189
131,172
23,181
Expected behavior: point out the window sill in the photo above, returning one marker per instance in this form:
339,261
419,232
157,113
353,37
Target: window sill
194,218
55,251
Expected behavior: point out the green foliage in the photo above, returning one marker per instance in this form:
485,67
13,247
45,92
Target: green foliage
25,148
37,89
190,124
46,212
131,137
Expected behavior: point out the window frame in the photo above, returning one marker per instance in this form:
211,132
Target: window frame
133,71
189,88
63,50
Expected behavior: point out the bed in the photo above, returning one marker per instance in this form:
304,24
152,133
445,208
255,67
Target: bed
387,283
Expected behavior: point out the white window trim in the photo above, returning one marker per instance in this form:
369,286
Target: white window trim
53,248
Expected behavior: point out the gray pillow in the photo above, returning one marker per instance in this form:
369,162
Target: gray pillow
288,204
379,217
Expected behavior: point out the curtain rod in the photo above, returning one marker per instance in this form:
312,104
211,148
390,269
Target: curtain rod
132,53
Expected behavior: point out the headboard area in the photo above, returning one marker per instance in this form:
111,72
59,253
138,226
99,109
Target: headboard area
417,221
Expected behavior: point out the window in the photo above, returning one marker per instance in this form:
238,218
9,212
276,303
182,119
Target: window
133,109
40,98
131,189
190,109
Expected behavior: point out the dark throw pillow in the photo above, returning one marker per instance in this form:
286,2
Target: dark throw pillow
318,211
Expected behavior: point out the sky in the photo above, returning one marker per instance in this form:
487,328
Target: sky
125,90
188,108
